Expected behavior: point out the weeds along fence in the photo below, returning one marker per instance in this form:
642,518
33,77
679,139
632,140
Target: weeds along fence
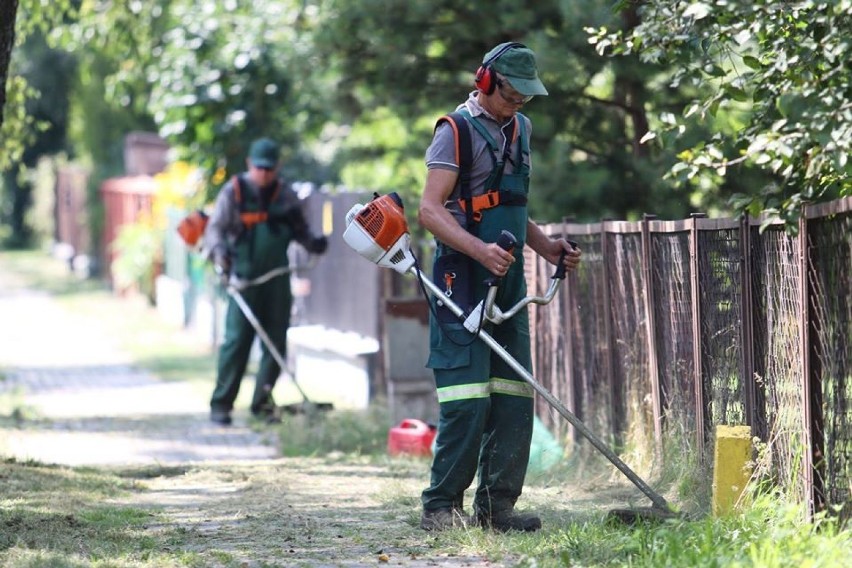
671,328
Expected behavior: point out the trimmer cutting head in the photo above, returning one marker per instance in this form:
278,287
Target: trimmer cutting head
378,231
635,515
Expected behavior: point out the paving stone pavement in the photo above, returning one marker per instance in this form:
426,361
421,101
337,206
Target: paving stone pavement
91,406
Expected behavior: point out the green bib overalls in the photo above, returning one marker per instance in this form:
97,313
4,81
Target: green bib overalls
260,248
486,409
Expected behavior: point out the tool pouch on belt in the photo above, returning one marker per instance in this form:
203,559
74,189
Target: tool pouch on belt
453,275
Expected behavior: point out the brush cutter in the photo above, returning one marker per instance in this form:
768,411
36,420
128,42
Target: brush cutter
233,286
378,231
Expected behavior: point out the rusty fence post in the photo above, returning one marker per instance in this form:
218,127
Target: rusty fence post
697,352
568,296
650,317
753,398
812,413
615,413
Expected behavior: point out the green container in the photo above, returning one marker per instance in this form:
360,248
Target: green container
545,451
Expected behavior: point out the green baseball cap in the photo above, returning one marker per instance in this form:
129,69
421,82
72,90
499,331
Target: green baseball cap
263,153
517,64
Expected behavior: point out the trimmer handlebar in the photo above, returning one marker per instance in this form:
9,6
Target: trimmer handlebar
507,240
560,266
496,315
237,283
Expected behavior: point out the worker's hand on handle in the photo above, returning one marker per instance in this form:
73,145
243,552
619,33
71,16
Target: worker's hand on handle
566,251
222,266
497,257
318,245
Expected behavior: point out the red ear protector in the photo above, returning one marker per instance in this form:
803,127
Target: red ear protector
484,80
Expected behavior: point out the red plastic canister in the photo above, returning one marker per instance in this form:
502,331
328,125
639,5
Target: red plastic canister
412,437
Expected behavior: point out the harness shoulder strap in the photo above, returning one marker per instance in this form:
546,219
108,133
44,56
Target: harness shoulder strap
521,135
251,218
464,158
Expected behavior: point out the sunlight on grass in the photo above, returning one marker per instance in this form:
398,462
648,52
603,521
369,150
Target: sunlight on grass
54,516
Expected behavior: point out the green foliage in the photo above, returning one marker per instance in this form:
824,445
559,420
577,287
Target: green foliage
138,250
36,128
20,126
710,100
418,61
213,75
781,67
377,153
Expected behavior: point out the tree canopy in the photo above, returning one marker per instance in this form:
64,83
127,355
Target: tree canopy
773,80
659,106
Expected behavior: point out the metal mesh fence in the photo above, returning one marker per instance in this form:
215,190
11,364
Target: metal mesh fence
830,275
570,347
633,419
673,319
721,308
739,334
778,352
587,313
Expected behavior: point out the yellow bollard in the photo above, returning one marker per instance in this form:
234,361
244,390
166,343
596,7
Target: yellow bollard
732,468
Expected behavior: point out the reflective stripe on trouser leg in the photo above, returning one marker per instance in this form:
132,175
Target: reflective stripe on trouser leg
481,390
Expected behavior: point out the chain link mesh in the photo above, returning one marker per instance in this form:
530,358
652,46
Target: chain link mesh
752,333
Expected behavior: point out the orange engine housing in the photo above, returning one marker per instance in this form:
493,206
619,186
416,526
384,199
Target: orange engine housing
383,219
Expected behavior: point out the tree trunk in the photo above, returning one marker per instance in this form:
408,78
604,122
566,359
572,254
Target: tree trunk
632,90
8,10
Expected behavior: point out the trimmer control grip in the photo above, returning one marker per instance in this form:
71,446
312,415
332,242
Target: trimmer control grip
560,266
506,240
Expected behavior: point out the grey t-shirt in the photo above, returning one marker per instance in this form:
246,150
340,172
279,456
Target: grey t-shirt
441,153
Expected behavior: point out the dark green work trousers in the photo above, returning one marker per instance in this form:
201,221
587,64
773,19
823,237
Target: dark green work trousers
270,302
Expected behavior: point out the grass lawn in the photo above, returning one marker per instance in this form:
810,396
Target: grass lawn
335,498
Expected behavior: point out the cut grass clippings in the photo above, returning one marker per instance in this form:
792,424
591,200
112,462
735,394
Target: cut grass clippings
346,510
337,499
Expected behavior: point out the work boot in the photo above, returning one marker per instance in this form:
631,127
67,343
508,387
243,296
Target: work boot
221,417
267,412
508,520
267,415
443,519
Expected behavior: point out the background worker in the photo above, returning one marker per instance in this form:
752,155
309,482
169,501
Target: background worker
240,242
486,409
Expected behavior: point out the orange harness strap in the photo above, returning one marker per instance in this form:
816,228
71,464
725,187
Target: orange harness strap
252,218
487,200
490,199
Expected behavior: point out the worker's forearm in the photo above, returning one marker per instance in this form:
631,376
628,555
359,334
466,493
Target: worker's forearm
441,223
536,239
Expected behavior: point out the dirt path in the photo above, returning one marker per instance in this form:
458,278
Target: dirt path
223,490
89,405
340,511
303,512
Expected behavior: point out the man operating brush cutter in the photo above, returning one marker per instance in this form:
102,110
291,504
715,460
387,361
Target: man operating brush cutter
235,288
255,219
477,186
378,231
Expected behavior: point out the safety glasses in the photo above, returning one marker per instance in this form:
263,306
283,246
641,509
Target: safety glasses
519,99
